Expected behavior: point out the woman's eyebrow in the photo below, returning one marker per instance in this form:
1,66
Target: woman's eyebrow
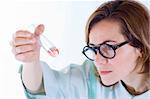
101,43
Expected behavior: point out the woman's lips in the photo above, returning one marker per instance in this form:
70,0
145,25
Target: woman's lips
105,72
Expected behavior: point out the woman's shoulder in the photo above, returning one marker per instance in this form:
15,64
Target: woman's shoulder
118,90
73,79
74,73
72,68
85,67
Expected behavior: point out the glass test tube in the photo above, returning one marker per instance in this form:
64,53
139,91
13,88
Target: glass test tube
48,46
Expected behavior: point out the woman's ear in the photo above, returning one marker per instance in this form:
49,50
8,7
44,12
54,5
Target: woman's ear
139,52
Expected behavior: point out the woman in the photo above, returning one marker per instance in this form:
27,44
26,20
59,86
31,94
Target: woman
118,49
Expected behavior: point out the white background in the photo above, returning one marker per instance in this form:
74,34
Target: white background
64,21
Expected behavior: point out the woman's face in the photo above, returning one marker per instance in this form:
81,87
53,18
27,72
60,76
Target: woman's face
119,67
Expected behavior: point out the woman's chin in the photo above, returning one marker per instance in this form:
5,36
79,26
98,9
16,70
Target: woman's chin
108,83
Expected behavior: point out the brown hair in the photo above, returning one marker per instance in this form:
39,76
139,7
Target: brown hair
134,19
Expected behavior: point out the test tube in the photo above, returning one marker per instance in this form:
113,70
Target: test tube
48,46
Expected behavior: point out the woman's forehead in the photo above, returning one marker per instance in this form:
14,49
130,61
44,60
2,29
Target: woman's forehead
106,30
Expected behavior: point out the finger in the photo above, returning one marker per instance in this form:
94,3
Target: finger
23,49
25,57
23,41
39,29
22,33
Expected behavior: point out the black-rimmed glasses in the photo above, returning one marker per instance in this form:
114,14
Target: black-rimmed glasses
106,50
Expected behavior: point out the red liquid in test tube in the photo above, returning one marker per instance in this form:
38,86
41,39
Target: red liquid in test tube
54,52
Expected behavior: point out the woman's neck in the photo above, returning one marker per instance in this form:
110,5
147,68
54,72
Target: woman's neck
137,84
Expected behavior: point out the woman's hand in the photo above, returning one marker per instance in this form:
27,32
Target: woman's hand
26,45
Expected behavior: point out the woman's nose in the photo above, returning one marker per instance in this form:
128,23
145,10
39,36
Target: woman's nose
99,59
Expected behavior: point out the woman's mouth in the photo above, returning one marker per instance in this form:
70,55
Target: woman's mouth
105,72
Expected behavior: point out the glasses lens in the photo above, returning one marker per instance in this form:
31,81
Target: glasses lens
107,51
89,53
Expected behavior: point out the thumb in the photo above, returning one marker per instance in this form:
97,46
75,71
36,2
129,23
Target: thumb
39,29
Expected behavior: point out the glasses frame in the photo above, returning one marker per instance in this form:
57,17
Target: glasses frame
97,48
